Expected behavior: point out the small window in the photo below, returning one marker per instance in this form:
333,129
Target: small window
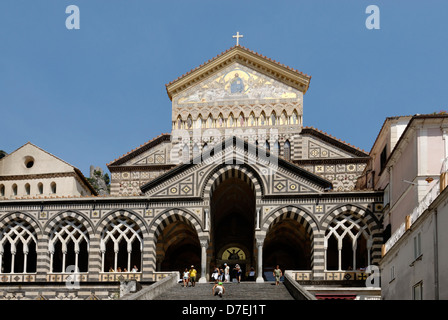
40,188
14,189
392,273
29,162
27,189
417,291
53,187
2,190
417,246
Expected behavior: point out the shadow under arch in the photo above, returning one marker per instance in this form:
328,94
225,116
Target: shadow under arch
175,233
289,239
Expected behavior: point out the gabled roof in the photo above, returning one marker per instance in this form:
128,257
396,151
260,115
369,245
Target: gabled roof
231,142
334,141
139,150
76,170
244,56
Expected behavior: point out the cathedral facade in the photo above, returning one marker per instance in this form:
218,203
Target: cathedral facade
239,180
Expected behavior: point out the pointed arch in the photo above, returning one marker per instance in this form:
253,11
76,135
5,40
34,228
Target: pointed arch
283,118
294,119
252,121
230,120
209,123
220,121
68,244
189,124
361,219
18,245
199,122
241,120
121,242
262,121
273,118
179,122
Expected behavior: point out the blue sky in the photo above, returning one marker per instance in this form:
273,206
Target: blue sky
90,95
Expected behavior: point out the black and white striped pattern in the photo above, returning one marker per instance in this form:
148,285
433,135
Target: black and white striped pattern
224,172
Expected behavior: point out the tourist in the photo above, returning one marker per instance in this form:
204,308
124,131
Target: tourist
134,269
111,269
251,274
277,274
215,274
193,273
118,269
185,277
220,290
238,272
226,273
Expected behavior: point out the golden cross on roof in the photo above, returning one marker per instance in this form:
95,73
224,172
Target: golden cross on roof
238,36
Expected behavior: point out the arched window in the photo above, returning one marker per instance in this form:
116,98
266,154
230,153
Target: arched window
252,120
53,187
230,120
40,188
69,246
199,122
179,122
121,245
220,121
283,118
287,150
18,248
241,120
2,190
273,119
189,122
27,189
210,121
14,189
262,119
294,118
347,243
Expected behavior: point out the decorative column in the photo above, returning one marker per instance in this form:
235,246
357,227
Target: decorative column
257,218
260,242
204,246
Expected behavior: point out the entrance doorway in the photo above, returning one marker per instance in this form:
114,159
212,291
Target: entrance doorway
288,245
178,248
233,224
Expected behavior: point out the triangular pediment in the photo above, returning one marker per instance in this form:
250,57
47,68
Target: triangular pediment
237,82
153,152
274,175
245,58
30,159
320,145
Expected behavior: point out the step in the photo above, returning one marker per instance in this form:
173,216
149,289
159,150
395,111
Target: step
234,291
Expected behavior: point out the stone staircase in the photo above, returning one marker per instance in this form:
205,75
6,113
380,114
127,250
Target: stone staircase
234,291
